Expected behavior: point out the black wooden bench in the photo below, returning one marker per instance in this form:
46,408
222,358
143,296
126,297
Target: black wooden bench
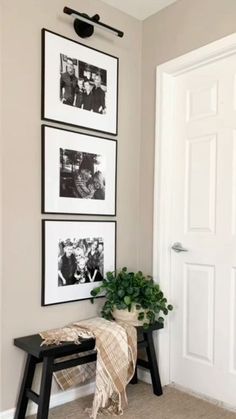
48,354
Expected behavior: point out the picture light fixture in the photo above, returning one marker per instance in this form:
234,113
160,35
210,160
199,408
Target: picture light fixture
84,25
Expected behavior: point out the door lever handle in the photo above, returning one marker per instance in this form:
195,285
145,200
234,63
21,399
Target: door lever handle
177,247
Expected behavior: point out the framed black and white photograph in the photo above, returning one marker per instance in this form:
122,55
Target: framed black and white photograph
79,84
76,256
78,173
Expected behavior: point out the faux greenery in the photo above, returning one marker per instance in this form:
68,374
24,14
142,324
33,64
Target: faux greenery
124,289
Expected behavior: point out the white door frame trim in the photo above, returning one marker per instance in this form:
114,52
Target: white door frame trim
165,93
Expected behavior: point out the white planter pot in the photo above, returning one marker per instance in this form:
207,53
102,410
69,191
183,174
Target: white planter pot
130,317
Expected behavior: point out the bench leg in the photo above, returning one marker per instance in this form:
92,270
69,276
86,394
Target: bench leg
151,354
45,388
134,379
25,385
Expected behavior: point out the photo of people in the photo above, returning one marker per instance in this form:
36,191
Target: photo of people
82,85
79,84
80,261
82,175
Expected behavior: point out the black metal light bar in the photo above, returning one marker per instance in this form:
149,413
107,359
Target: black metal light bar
84,25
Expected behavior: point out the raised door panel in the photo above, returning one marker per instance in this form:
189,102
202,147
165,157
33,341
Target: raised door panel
198,312
200,184
233,323
202,102
234,184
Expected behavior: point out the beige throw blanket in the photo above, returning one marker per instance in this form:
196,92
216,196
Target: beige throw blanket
116,346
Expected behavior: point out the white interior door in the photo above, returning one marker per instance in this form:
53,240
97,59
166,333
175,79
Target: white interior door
203,220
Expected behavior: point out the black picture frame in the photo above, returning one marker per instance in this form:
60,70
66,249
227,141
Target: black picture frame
57,48
60,191
53,234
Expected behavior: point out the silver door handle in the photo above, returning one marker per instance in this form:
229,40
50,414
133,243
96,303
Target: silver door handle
177,247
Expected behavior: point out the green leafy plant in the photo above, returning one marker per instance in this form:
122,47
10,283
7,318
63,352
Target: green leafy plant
123,290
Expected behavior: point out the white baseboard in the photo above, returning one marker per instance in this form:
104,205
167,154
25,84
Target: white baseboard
56,400
69,395
144,375
8,414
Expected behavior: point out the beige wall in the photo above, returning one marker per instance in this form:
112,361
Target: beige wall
182,27
21,163
0,206
186,25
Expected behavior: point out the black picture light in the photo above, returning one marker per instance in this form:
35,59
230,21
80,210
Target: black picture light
84,25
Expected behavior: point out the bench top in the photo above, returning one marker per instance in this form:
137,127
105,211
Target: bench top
31,344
